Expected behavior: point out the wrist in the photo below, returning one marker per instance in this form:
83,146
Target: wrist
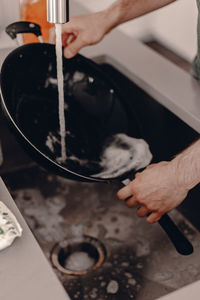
185,176
112,17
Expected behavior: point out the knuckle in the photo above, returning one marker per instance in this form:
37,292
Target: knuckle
161,211
72,50
139,200
151,206
134,184
85,39
133,189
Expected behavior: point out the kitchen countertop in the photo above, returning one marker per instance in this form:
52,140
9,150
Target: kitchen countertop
191,291
25,272
172,87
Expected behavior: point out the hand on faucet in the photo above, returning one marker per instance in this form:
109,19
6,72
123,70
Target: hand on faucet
82,31
89,29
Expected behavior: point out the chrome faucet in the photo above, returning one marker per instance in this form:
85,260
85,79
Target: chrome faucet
58,11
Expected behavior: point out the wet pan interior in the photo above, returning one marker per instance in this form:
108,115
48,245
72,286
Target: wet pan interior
94,108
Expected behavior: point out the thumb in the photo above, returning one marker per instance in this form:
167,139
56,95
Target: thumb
73,48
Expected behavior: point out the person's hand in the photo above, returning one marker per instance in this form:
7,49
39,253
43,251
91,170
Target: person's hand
82,31
156,191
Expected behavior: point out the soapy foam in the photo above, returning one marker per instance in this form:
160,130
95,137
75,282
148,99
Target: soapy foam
120,155
123,154
79,261
58,28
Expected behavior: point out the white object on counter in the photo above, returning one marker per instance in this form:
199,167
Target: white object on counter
24,266
9,227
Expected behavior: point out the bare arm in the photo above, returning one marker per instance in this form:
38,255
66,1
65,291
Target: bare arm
125,10
89,29
163,186
187,165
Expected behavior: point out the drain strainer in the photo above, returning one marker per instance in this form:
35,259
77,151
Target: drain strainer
78,256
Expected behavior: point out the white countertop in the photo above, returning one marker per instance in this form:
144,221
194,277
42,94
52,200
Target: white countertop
24,271
191,291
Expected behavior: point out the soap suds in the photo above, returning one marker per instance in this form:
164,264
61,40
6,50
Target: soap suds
122,155
48,219
79,261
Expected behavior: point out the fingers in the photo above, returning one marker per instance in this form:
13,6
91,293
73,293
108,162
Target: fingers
132,202
74,47
125,192
154,217
67,39
142,211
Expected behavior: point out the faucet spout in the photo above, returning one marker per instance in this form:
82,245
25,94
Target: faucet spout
58,11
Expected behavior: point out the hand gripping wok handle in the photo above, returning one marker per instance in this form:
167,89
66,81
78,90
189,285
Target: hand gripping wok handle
180,242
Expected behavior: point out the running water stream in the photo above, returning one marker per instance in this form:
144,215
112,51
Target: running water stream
61,109
120,155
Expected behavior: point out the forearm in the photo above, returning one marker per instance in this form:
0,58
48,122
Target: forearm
187,166
124,10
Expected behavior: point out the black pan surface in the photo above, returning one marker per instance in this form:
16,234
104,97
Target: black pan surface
95,109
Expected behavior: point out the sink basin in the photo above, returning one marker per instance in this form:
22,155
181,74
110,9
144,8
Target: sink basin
139,261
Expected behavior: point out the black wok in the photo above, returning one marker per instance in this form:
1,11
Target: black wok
96,110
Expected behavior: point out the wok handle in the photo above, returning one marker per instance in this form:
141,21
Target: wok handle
23,27
180,242
178,239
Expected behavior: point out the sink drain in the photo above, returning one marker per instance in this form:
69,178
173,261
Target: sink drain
78,256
